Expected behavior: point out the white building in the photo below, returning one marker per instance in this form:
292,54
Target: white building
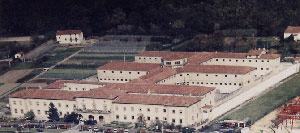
175,87
69,36
292,30
181,105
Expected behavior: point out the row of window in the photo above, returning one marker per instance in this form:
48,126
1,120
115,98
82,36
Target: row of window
145,58
76,89
149,118
187,83
46,104
39,112
149,110
249,60
206,75
115,79
121,72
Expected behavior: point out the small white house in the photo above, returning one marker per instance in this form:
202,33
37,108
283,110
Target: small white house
19,55
69,36
292,30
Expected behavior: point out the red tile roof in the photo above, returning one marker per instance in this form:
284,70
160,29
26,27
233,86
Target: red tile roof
216,69
58,84
178,101
101,93
207,107
128,66
177,55
255,52
292,29
156,75
270,56
161,89
67,32
45,94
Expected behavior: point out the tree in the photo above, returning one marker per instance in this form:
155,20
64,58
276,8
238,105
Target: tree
53,114
73,117
29,115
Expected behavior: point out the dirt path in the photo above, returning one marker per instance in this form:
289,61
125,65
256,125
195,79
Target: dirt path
13,75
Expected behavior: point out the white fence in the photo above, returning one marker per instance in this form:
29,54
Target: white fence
254,91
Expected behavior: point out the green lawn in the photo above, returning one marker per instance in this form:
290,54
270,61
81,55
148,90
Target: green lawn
69,74
273,99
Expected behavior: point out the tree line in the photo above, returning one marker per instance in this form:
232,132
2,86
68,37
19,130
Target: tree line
166,17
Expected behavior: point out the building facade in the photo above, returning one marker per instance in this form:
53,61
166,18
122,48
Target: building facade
69,36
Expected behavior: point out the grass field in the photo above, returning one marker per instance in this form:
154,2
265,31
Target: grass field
28,76
273,99
69,73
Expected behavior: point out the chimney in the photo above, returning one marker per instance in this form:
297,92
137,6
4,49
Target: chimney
149,92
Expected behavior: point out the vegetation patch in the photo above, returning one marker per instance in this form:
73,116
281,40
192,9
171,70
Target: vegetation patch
28,76
69,74
265,104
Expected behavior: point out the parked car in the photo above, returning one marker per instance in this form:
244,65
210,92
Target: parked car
115,130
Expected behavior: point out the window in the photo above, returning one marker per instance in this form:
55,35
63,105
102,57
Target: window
216,75
148,109
39,112
132,117
267,68
173,111
206,75
173,120
103,71
140,109
197,74
223,59
229,60
69,88
243,60
217,60
236,60
117,117
138,72
67,106
240,84
165,110
165,118
187,74
249,60
112,72
168,63
262,60
225,75
125,117
235,75
16,111
180,120
45,104
180,111
156,118
262,68
148,118
177,62
129,72
180,75
255,60
120,71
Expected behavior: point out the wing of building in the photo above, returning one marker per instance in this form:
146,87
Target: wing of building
69,36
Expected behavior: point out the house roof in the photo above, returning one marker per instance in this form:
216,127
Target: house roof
45,94
292,29
207,107
181,101
128,66
101,93
58,84
216,69
67,32
255,52
161,89
177,55
156,75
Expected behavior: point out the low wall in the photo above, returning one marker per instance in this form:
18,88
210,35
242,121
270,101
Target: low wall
254,91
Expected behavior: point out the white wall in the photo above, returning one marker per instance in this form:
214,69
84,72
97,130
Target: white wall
145,59
117,76
80,87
